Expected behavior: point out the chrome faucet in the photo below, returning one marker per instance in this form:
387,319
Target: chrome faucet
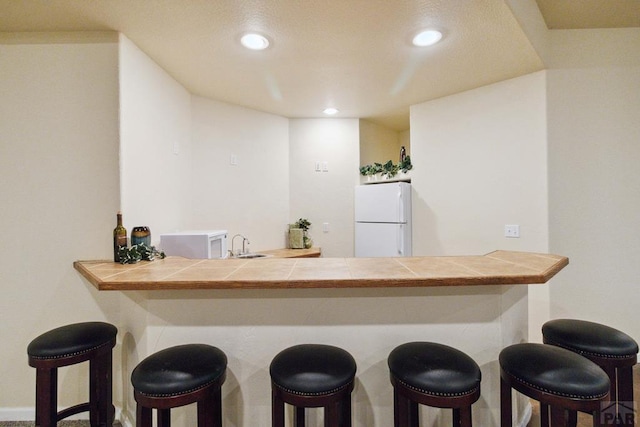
244,240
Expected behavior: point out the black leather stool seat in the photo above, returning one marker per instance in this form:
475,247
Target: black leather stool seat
558,378
69,345
554,370
589,338
179,369
178,376
312,376
434,369
613,350
435,375
72,340
312,369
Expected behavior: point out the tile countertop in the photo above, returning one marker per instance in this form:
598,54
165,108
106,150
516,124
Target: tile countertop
495,268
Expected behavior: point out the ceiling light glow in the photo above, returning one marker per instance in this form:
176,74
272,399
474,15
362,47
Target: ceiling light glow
254,41
427,38
331,111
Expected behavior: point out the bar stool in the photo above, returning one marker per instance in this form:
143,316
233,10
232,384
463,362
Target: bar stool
178,376
435,375
69,345
614,351
562,381
312,376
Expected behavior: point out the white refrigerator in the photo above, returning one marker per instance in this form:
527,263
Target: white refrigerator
383,220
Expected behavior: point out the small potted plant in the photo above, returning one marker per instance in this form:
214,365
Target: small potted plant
299,234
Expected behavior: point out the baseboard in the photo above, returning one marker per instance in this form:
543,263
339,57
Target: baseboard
28,414
17,414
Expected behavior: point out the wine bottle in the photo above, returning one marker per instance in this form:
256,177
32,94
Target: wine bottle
119,238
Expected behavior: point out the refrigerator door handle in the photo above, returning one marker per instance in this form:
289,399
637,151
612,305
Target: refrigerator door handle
400,240
400,206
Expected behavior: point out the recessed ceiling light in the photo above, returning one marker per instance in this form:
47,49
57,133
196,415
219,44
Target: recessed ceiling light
330,111
427,38
254,41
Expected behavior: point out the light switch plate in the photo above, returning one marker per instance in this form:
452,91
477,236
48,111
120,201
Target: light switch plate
512,231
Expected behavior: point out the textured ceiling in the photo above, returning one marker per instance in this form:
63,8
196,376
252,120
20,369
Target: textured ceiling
352,54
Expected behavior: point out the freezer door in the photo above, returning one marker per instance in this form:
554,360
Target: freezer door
382,240
383,203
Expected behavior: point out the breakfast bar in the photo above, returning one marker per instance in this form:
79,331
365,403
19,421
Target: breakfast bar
495,268
254,308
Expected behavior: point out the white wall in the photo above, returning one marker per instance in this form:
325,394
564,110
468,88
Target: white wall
251,197
594,130
155,148
325,197
479,163
60,192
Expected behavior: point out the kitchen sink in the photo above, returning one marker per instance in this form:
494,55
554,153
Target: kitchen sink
245,256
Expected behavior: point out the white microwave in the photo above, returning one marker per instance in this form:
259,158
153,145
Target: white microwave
195,244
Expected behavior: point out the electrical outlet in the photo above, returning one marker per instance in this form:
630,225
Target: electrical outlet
512,231
325,227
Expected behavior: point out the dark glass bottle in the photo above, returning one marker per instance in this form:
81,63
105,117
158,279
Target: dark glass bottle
403,154
119,238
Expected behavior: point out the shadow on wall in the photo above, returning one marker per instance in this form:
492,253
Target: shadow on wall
426,241
301,307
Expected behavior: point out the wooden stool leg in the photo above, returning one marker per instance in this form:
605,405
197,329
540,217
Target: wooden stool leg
396,406
101,410
597,421
402,410
217,407
205,413
464,417
164,417
414,415
456,417
332,415
505,404
46,397
277,410
143,416
625,396
557,417
299,413
345,409
611,373
572,418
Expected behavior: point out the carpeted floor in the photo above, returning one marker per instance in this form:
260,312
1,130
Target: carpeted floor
585,420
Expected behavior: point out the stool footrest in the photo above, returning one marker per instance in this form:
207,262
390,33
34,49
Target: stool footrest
65,413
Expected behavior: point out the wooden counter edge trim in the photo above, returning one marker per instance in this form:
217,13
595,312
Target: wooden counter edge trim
316,284
555,269
79,266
